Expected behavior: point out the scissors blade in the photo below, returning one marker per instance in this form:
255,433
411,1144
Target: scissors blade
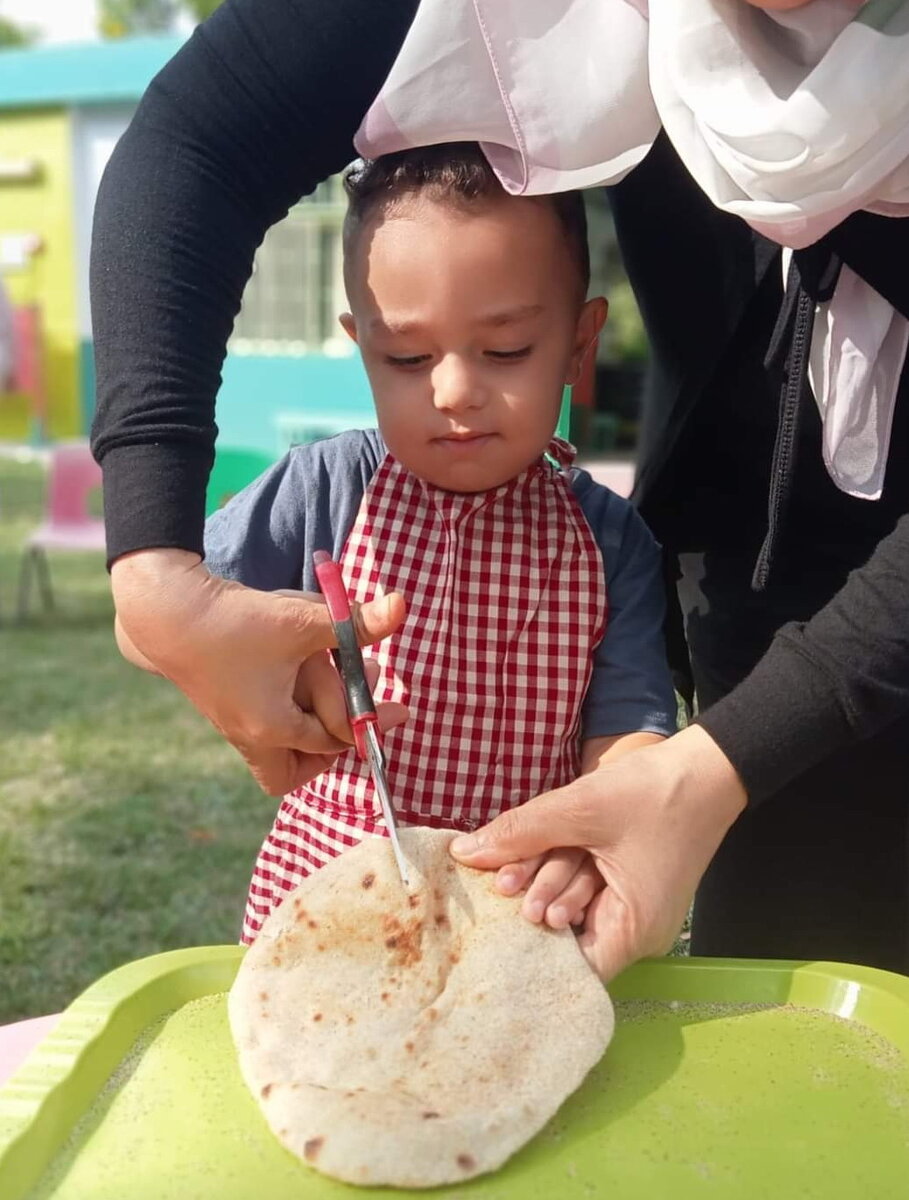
376,760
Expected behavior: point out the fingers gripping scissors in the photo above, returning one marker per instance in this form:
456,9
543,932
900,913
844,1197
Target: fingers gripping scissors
360,707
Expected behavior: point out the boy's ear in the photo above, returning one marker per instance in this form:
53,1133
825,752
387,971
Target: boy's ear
591,320
348,325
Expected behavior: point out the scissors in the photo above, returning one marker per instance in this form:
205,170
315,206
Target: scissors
363,717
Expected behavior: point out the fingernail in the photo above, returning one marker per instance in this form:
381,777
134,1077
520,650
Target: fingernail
558,917
534,911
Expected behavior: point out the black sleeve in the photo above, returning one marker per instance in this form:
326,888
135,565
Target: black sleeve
258,107
835,680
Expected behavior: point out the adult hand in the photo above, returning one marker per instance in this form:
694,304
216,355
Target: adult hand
254,663
652,821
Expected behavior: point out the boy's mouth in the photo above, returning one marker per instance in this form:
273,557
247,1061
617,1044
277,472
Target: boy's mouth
464,436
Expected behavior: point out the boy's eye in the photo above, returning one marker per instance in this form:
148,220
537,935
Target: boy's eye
509,355
410,360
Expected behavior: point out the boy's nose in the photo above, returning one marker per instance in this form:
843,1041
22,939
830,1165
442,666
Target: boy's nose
455,386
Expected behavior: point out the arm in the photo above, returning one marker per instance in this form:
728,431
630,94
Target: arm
653,820
259,106
630,689
597,752
832,681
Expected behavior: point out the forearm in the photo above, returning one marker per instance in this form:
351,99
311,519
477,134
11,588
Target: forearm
259,106
597,752
833,681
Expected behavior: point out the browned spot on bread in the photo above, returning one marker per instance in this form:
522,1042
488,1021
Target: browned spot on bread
266,1090
320,946
405,939
317,1016
385,996
441,921
429,1116
312,1147
312,924
450,868
454,957
276,960
413,901
349,1019
408,1046
432,1013
466,1162
263,995
367,881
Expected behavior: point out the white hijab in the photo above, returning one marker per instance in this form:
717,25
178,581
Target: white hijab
792,120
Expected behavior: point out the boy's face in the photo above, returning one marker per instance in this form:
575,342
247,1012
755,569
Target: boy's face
470,323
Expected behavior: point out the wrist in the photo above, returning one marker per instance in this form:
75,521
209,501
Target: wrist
156,591
708,783
140,572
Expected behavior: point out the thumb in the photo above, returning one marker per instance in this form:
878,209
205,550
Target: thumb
377,619
607,941
307,614
541,824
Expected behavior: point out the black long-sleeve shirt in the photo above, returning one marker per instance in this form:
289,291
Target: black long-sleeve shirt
255,110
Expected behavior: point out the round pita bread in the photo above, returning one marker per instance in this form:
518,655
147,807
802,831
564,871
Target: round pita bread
412,1037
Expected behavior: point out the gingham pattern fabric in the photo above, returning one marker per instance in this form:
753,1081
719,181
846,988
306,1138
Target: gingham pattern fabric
506,604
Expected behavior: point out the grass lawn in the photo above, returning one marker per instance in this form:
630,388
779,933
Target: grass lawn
127,826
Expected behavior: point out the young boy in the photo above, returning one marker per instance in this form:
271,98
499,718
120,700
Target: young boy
533,645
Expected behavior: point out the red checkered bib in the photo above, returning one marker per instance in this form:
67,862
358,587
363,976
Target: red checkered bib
506,603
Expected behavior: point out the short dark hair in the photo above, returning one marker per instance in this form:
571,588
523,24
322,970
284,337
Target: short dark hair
453,170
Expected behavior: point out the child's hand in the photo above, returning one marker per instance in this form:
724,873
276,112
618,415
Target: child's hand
559,885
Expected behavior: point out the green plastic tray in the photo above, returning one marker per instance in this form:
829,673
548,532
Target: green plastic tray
726,1078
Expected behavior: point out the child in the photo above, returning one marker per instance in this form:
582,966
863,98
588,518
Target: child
535,597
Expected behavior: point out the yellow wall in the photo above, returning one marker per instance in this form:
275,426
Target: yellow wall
44,206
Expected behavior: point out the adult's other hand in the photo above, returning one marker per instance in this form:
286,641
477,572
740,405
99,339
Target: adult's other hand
652,822
254,663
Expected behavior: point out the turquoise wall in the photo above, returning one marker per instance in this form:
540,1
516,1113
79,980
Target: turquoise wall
323,394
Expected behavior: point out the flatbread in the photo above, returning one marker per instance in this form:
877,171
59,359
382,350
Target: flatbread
412,1037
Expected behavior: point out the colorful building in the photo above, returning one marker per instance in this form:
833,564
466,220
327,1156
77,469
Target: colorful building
289,375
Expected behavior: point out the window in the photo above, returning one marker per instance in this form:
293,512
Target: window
291,303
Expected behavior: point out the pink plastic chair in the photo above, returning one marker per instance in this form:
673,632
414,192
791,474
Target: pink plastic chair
67,523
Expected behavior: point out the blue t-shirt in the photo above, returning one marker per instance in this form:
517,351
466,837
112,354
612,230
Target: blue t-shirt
266,535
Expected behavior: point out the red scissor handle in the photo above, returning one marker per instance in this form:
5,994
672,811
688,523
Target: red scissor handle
348,658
